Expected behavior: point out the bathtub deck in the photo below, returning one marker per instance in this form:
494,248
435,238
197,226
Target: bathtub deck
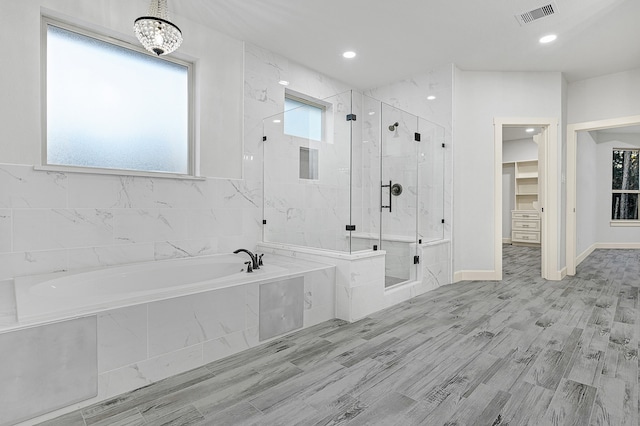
520,351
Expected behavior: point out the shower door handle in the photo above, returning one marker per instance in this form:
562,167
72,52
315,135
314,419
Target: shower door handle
386,186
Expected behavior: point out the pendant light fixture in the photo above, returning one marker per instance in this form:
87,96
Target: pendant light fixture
156,33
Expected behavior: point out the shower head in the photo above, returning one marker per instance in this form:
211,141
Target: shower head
393,126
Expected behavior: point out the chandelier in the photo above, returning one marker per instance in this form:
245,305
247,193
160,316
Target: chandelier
156,33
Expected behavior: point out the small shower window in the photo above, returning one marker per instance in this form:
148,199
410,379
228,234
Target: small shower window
303,117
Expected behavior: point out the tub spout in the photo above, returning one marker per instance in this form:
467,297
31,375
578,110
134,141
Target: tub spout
255,261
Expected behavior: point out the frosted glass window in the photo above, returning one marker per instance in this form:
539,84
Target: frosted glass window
302,119
113,107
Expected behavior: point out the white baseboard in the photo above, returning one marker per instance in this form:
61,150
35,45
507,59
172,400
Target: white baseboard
475,276
582,256
618,245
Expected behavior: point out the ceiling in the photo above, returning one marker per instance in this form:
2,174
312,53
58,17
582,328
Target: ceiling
397,39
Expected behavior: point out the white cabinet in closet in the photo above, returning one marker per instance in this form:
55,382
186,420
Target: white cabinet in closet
525,219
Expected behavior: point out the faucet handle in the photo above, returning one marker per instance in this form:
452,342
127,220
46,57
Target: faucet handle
260,260
249,267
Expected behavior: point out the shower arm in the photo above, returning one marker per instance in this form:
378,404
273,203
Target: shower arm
385,186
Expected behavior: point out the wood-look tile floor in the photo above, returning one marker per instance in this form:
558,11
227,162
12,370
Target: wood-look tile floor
522,351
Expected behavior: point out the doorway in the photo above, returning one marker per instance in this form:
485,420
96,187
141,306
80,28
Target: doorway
572,138
521,225
546,198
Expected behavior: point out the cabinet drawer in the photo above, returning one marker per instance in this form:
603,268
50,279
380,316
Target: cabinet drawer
525,225
524,215
525,237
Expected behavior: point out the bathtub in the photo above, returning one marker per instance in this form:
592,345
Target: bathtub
55,296
95,334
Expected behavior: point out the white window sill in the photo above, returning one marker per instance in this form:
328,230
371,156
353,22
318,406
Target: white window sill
98,171
623,223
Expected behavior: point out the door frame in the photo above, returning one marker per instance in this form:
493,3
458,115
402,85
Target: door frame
548,192
572,142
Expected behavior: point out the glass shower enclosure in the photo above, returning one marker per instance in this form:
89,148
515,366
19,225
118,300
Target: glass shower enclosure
350,173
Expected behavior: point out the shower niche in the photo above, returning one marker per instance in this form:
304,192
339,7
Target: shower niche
370,181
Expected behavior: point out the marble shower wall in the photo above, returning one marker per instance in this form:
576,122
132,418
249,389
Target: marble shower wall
410,95
309,212
52,221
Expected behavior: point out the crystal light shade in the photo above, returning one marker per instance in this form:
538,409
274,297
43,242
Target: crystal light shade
156,33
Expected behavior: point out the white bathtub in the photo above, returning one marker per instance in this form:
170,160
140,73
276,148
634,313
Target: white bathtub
56,296
121,328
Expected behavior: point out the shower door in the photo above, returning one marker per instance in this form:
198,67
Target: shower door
398,194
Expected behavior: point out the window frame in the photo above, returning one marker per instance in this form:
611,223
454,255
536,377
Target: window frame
93,33
624,222
323,106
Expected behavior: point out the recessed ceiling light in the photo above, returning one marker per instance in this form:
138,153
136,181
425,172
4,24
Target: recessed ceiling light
276,121
283,82
349,54
548,38
430,97
372,113
529,130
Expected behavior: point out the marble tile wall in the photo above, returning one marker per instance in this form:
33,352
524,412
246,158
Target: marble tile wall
65,221
53,221
417,166
309,212
69,221
410,95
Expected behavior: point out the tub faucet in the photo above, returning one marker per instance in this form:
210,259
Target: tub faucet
255,260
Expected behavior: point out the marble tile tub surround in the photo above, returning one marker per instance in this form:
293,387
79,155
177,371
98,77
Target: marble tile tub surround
141,344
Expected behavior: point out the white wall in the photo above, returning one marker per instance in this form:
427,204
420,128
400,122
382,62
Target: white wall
587,199
478,98
607,96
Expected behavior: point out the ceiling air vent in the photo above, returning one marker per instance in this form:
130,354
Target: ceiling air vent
535,14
